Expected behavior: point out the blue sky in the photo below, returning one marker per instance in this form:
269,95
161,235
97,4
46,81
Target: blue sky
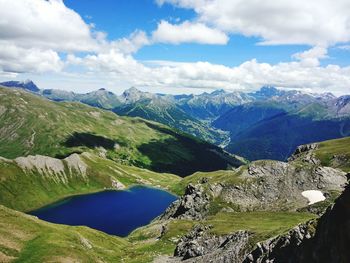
177,46
120,18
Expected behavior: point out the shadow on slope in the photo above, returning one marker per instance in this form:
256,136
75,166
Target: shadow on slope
183,155
277,138
88,140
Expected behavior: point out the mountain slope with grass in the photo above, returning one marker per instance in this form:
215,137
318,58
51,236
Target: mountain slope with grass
30,124
221,214
169,113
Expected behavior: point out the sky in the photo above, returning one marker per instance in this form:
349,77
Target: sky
177,46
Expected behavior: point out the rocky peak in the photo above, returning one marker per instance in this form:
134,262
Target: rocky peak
194,204
133,95
27,85
266,92
305,153
218,92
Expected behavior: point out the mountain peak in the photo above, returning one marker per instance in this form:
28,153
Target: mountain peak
27,85
266,92
218,92
132,90
133,94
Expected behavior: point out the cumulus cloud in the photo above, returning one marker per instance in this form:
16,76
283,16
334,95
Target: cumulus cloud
44,24
188,32
301,74
313,22
19,60
34,34
311,57
131,44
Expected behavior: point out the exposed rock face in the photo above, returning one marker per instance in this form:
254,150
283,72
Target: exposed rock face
327,242
283,248
317,241
117,185
193,204
75,163
306,154
268,185
279,185
55,169
201,246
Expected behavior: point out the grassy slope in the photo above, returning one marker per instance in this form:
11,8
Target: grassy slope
25,238
36,190
30,124
263,225
146,243
172,116
335,148
31,240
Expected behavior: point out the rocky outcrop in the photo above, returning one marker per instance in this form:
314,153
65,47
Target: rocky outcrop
194,204
305,153
53,168
274,185
200,245
262,185
283,248
117,185
324,240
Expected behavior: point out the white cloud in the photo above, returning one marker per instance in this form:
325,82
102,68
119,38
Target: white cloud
130,44
313,22
18,59
34,32
44,24
188,32
304,74
311,57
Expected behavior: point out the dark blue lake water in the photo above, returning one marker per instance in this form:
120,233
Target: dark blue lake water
113,212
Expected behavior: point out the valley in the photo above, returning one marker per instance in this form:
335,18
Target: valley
266,124
174,131
221,212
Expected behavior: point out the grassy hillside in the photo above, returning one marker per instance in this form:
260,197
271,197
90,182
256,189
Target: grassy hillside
30,124
335,153
170,114
25,238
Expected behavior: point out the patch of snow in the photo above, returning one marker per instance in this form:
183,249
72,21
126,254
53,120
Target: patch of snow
313,196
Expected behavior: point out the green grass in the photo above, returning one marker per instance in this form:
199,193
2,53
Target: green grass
168,113
32,240
263,224
329,149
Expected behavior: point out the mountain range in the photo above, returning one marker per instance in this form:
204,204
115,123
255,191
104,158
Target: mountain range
228,209
267,124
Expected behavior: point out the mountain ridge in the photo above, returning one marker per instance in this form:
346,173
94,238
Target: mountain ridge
232,120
